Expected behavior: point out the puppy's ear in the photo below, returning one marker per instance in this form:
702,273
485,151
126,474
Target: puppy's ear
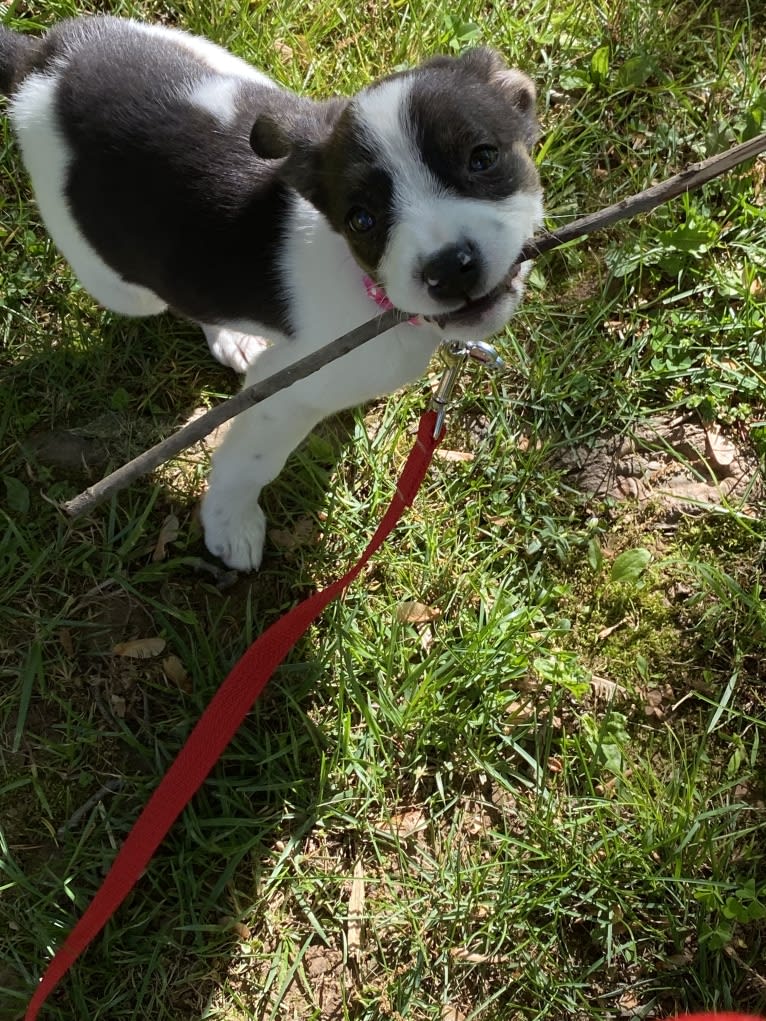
270,139
299,139
517,87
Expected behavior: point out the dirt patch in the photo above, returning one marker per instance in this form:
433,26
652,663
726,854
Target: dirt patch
678,464
319,988
324,971
89,448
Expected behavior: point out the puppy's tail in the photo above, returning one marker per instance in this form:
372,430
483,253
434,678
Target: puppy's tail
16,54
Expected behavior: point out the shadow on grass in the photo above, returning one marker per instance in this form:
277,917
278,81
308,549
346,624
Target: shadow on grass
77,717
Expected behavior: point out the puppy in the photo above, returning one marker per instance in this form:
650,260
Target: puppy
173,175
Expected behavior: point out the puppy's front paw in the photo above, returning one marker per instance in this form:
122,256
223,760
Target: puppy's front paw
237,538
237,350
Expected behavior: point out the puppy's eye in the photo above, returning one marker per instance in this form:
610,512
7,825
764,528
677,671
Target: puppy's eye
360,220
482,158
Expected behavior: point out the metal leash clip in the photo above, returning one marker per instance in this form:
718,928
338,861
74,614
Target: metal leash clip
455,354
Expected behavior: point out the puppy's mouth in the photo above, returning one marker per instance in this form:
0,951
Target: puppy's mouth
475,309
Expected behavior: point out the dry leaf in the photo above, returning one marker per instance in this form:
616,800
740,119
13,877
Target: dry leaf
656,700
499,520
475,821
606,631
461,954
520,710
356,912
721,451
140,648
65,637
412,612
176,673
555,764
242,931
454,455
301,534
628,1002
168,533
281,538
283,51
450,1013
688,491
404,824
680,960
119,705
606,689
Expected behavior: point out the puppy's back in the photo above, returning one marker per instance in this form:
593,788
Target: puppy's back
136,138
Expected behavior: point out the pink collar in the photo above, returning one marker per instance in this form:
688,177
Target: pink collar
381,299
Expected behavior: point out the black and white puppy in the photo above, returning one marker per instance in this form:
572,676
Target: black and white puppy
171,174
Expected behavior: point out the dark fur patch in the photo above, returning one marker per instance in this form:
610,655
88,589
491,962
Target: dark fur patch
456,106
345,174
187,211
17,54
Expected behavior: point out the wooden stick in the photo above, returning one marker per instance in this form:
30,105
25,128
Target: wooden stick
693,177
200,427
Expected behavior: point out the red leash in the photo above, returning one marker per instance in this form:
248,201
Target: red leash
216,728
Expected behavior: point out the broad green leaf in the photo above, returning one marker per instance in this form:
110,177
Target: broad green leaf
595,556
635,71
599,65
16,495
630,565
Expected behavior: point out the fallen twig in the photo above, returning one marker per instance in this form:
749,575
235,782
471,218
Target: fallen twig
692,177
112,786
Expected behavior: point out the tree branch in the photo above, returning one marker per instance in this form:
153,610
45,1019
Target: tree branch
692,177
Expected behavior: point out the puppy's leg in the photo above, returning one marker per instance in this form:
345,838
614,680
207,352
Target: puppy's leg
230,347
261,439
252,454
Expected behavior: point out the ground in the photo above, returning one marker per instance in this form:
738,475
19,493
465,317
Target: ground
518,773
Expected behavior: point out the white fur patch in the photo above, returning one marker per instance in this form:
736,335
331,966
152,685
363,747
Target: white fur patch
233,348
214,56
47,158
425,224
216,96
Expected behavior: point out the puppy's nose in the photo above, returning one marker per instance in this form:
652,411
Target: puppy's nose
453,271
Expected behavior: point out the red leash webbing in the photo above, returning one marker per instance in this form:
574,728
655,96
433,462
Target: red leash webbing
216,727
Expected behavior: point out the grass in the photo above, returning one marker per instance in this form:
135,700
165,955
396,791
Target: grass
548,777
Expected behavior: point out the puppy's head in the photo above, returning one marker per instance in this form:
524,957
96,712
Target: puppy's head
427,175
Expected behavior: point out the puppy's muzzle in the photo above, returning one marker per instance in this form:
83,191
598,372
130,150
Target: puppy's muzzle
453,273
